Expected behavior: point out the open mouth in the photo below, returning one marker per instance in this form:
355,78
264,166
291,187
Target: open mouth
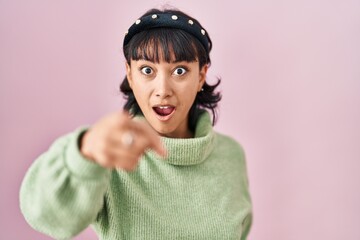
164,112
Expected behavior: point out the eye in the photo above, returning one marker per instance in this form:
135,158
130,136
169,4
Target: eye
180,71
147,70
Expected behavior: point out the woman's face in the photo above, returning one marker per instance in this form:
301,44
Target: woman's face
165,93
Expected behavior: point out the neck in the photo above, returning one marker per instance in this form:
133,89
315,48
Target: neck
185,134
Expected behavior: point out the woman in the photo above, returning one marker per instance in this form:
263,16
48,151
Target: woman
158,172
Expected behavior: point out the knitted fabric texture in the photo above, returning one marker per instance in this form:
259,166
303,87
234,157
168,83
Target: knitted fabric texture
200,191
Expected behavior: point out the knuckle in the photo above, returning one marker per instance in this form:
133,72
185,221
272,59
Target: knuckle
121,118
136,152
104,162
127,165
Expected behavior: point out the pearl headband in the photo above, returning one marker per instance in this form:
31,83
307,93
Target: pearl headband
167,20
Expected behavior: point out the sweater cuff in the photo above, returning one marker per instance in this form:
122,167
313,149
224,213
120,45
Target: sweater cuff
78,164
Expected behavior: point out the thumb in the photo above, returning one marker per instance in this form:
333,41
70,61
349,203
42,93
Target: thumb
154,139
158,147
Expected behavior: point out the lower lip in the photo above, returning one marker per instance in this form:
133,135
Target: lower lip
165,118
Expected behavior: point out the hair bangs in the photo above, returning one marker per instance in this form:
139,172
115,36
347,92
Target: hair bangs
164,44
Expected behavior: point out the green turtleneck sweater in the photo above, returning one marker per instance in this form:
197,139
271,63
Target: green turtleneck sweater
200,191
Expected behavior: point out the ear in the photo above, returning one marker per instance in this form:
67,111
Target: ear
128,74
202,76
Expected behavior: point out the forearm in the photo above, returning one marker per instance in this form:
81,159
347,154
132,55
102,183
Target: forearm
62,191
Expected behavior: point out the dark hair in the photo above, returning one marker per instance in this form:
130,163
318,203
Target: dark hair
185,47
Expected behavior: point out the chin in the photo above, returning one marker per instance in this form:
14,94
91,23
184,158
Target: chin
165,132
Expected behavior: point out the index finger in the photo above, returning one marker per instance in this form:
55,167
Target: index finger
142,127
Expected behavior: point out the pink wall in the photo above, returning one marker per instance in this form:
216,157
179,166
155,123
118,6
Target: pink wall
291,86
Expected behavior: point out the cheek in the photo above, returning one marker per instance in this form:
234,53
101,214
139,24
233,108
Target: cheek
188,94
140,92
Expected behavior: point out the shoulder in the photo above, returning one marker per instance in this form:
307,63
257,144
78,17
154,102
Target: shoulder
228,144
230,155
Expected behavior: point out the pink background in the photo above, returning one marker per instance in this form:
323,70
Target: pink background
291,87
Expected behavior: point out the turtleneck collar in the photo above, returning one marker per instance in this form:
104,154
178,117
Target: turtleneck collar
189,151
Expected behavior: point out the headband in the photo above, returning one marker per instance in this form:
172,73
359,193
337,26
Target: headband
168,20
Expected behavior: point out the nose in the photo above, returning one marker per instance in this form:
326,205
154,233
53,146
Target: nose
163,87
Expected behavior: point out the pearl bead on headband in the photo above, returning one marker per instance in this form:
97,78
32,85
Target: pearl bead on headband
169,20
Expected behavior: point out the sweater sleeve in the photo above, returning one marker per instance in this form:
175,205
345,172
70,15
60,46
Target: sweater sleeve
63,192
246,226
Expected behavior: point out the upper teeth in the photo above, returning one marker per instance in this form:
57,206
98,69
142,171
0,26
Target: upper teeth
164,107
